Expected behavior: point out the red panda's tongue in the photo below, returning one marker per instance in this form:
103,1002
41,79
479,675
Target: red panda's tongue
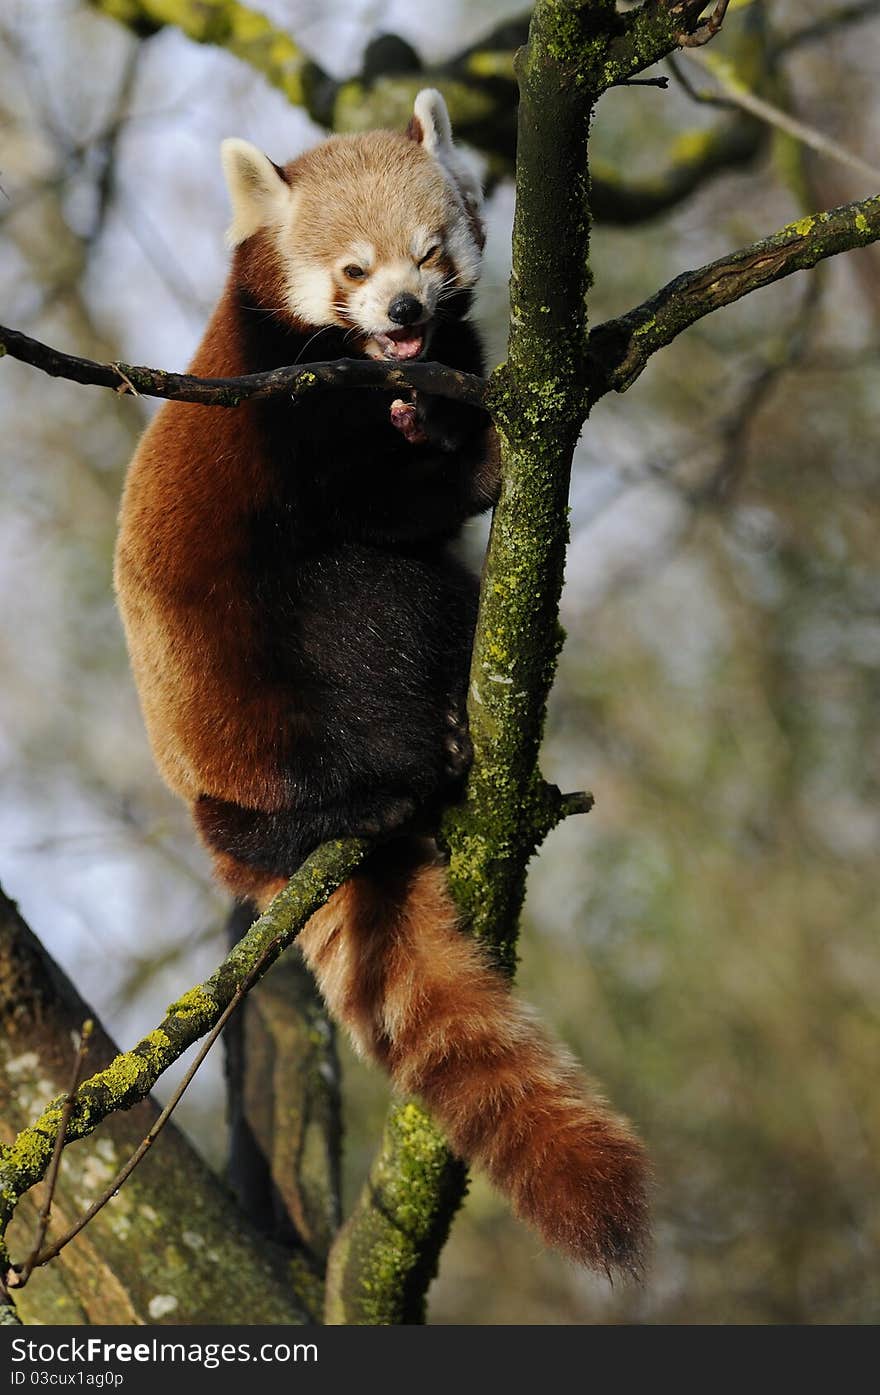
403,343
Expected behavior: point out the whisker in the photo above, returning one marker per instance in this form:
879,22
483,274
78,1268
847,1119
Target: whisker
267,309
311,340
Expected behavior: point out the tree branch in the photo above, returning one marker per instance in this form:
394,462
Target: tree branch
620,348
294,381
132,1075
33,1258
284,1108
194,1246
703,33
386,1254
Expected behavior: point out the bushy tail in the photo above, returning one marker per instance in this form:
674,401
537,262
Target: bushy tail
419,997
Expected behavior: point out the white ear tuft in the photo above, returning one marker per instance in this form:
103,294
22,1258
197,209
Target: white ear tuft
431,127
434,127
257,190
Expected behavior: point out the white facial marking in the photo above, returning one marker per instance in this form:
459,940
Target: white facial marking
312,293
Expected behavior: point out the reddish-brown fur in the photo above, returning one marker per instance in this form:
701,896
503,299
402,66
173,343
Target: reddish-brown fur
419,997
195,479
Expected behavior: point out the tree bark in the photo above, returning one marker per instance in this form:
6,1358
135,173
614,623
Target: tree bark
198,1259
284,1111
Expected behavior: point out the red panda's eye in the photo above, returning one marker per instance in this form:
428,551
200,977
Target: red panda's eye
430,254
354,273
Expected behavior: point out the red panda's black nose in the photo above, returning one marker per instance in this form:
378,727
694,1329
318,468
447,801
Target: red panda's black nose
405,310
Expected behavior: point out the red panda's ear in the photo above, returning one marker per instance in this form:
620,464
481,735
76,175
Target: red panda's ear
429,124
430,127
258,189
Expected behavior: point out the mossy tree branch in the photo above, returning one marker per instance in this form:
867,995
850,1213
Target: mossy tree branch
620,348
211,1265
295,381
131,1075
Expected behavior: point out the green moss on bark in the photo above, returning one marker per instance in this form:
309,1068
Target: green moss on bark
386,1254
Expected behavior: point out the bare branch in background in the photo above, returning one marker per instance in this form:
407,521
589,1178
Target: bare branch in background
829,25
284,1107
785,351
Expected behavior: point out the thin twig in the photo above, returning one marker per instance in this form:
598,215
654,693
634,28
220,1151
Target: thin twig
122,1176
781,356
698,94
643,82
577,802
19,1279
706,31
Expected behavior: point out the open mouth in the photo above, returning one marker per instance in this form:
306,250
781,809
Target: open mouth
399,344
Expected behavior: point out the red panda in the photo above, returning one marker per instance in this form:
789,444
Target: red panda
300,635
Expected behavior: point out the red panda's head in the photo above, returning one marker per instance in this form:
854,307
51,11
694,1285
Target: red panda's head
372,233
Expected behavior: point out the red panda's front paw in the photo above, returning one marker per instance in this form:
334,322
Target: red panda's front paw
405,418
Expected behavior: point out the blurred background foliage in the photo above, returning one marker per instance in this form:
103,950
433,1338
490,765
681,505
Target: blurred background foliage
706,939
